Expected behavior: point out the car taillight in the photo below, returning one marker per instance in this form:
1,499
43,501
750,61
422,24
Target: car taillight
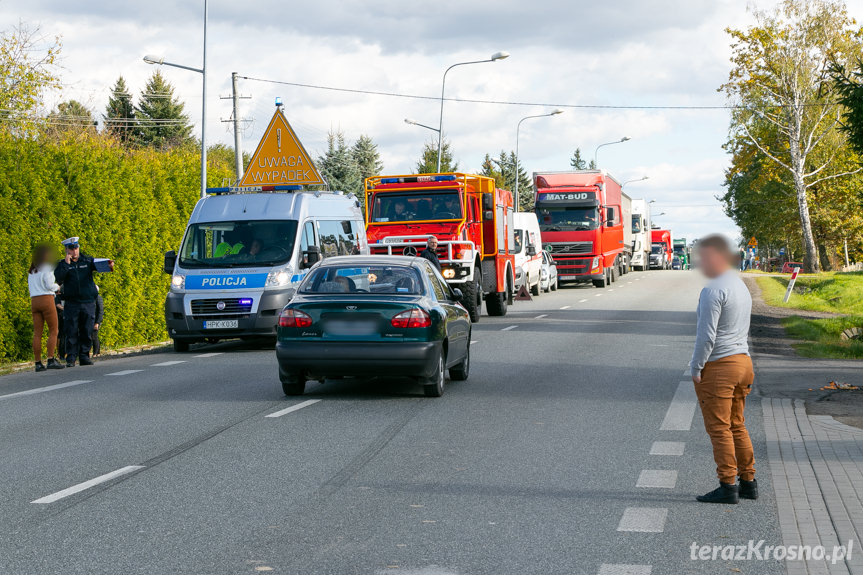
294,318
412,318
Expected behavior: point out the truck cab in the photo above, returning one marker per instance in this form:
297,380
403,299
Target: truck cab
244,253
470,217
661,250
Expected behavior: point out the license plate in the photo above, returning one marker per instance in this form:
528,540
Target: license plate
222,324
351,327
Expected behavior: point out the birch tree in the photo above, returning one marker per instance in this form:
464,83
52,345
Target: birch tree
781,76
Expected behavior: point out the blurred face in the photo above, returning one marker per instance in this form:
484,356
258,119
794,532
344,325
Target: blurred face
400,208
712,262
432,244
256,248
73,252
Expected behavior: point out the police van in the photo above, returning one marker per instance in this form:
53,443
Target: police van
244,252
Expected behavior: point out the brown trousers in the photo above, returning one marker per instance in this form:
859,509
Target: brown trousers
44,312
725,383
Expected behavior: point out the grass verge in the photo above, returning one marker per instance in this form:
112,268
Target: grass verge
829,292
821,337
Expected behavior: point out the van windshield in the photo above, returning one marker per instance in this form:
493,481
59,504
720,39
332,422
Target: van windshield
238,244
565,219
413,206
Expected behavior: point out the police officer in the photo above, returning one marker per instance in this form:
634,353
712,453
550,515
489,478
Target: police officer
75,274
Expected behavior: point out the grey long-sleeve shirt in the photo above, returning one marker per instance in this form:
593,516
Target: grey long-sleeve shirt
724,309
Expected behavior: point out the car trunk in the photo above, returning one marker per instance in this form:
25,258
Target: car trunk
356,318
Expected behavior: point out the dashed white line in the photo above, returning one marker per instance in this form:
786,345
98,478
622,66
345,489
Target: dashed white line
610,289
87,484
44,389
213,354
168,363
509,328
687,371
541,316
566,307
643,519
657,478
125,372
682,409
582,300
622,569
667,448
628,283
473,341
598,295
293,408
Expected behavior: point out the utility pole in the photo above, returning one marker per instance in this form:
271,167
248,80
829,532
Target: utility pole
238,142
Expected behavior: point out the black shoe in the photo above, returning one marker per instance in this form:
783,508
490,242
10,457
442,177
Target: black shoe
40,367
85,360
54,364
70,363
748,489
725,493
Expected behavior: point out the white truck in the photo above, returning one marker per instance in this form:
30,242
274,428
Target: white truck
641,234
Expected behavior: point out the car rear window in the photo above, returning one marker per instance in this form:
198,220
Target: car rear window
380,279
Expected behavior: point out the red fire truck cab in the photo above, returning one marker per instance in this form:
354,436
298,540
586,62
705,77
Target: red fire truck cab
471,219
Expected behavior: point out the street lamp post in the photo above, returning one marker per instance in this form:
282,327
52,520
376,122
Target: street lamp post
159,60
415,123
517,133
494,58
635,180
596,152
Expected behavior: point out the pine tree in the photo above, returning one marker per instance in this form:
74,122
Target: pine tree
427,163
162,121
119,117
579,163
338,165
71,114
368,160
491,169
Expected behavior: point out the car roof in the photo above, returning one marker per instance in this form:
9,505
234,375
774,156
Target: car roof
406,261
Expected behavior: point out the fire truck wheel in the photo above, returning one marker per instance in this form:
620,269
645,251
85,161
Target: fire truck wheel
433,387
461,371
293,383
496,304
472,299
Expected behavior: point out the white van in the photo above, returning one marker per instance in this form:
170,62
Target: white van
244,253
528,252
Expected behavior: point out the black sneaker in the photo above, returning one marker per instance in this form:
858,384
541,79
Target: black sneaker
725,493
85,360
70,363
748,489
40,367
54,364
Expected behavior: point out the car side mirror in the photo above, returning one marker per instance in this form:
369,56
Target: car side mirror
457,295
311,256
170,261
531,250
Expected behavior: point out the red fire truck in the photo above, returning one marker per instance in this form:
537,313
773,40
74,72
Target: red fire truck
471,219
581,218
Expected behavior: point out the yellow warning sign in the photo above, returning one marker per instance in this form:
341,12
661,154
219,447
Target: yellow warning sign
753,242
280,158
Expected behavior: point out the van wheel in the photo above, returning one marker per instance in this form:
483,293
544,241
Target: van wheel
472,300
535,290
181,346
434,386
496,304
293,383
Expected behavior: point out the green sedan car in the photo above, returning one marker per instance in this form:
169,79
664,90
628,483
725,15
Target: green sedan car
370,316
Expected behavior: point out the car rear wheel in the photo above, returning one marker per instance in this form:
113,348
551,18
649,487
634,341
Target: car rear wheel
293,383
472,299
461,371
434,386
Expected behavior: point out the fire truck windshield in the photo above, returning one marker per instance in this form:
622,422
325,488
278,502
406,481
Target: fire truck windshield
416,206
566,219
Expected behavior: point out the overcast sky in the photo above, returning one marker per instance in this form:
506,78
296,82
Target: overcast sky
618,52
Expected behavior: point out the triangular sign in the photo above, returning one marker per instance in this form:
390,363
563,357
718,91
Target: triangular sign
523,294
280,158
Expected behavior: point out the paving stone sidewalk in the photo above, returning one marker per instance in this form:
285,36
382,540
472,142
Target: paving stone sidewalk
816,465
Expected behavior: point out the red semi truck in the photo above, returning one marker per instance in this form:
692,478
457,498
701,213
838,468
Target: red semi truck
470,217
585,223
661,249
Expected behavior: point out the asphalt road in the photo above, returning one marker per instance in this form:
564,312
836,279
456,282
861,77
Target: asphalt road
533,466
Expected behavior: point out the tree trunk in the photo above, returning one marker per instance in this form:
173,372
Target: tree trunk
810,251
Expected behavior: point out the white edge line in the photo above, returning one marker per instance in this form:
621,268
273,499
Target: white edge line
296,407
541,316
44,389
598,295
213,354
87,484
582,300
125,372
509,328
168,363
565,307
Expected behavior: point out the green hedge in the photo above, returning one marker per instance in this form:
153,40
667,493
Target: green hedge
127,204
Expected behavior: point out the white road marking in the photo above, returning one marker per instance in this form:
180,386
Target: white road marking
687,371
87,484
509,328
628,283
214,354
473,341
598,295
658,478
622,569
582,300
169,363
293,408
125,372
44,389
667,448
610,289
643,519
541,316
682,409
566,307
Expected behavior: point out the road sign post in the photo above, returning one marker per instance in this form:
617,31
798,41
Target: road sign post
791,283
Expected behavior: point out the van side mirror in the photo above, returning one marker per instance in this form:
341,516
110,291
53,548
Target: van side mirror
531,250
170,261
311,256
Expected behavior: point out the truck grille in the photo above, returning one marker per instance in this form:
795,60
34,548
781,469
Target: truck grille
230,306
572,266
574,248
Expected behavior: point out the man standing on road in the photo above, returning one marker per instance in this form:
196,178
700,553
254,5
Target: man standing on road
430,253
722,370
75,274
